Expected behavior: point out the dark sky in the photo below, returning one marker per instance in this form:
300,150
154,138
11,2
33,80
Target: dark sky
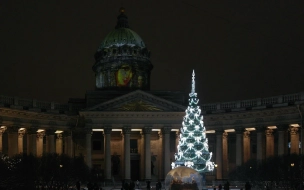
239,49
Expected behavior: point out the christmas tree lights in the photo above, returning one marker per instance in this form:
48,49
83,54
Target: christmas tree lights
192,150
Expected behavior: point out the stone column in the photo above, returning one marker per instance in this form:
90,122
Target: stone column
246,146
70,144
66,143
122,153
89,146
20,140
107,154
294,140
177,140
259,132
1,145
50,140
269,143
160,154
147,149
59,143
238,148
39,142
12,141
127,160
166,151
225,161
218,156
142,156
281,134
31,140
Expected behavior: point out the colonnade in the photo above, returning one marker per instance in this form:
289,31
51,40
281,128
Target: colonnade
145,149
265,145
34,142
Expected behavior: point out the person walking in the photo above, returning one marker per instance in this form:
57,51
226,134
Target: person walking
137,184
220,187
226,186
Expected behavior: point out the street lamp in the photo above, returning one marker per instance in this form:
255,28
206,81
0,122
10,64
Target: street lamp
215,167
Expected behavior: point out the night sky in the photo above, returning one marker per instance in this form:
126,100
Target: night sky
239,49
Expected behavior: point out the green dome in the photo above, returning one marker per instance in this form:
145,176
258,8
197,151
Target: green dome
122,60
120,37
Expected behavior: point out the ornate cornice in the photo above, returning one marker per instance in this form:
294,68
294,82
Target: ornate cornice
266,117
32,115
98,114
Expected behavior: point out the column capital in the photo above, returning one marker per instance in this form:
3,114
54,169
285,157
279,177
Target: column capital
126,130
147,130
268,132
40,135
246,134
166,130
107,130
160,134
59,135
225,135
21,133
1,132
293,130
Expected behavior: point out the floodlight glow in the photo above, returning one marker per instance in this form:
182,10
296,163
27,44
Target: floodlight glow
272,127
96,130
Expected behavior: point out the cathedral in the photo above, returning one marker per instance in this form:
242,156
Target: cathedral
131,132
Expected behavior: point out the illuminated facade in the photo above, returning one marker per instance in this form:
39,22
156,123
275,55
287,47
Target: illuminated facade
130,132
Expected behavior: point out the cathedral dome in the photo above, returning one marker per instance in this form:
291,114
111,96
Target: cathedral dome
122,59
120,37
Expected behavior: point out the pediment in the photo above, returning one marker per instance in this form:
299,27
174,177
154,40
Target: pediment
138,101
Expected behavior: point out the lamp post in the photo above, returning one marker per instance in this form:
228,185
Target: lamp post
215,169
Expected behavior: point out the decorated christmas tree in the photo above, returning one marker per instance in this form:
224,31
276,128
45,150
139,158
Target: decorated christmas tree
193,145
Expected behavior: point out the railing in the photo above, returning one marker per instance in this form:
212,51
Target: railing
32,103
